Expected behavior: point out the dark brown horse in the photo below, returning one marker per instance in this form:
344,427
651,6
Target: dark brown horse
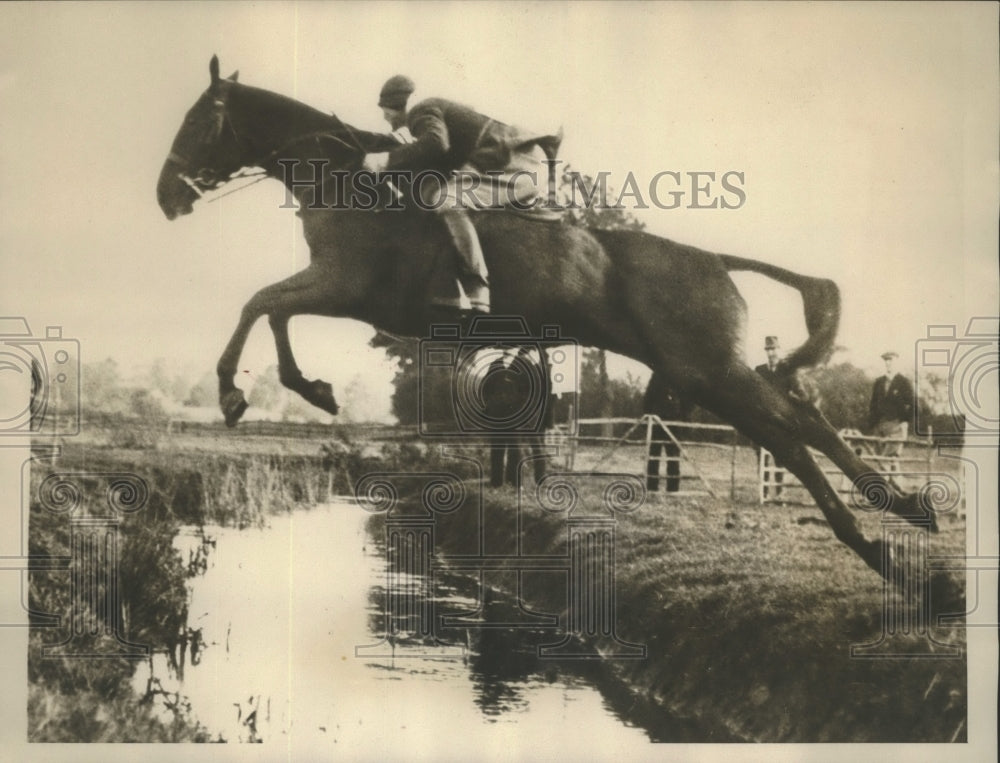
670,306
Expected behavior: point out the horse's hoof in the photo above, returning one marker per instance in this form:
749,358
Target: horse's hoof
233,406
320,394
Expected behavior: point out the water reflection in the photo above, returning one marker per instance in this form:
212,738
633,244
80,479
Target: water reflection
299,646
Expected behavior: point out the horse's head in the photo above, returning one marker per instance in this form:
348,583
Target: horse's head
205,152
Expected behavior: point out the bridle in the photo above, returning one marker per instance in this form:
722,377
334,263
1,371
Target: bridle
210,179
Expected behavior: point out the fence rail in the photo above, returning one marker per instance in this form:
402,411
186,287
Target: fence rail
564,441
286,429
772,479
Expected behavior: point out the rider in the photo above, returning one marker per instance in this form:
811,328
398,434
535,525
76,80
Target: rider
450,137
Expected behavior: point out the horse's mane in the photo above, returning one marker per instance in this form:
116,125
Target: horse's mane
307,118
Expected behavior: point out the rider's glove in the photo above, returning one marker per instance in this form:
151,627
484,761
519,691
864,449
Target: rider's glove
375,162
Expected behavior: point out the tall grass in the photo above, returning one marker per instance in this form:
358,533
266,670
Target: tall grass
88,700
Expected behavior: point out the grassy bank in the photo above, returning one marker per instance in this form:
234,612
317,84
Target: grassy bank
747,612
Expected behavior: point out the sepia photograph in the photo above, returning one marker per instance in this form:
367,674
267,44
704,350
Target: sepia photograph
499,380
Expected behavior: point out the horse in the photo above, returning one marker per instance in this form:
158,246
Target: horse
670,306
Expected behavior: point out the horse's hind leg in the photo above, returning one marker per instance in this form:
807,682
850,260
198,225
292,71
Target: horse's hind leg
818,433
769,417
797,459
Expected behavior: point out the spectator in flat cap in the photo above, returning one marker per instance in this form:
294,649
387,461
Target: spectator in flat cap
891,408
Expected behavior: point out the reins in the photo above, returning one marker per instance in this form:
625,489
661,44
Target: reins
263,174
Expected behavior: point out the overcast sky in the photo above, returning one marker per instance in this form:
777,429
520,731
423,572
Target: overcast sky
867,135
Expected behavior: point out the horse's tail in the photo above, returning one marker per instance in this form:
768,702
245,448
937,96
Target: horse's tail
820,302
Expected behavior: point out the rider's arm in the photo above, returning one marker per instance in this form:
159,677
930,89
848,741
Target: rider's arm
431,142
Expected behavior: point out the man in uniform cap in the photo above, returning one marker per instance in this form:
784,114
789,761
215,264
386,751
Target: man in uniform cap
891,408
770,369
451,138
776,371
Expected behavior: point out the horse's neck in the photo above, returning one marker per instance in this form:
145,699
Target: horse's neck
271,121
287,134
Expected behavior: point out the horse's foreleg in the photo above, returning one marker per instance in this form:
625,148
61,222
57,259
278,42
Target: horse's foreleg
304,292
317,391
231,398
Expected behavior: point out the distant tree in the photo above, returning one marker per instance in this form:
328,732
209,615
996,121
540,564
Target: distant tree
163,377
845,391
935,411
266,392
602,397
102,390
205,392
359,402
404,383
298,410
146,405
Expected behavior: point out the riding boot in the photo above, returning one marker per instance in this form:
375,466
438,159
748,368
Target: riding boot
471,264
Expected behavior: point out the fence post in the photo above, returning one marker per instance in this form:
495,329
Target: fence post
650,462
732,470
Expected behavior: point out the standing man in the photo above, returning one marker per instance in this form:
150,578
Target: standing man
500,393
796,385
773,372
891,407
664,402
770,370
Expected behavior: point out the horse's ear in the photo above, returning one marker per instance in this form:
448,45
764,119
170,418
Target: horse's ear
213,69
234,76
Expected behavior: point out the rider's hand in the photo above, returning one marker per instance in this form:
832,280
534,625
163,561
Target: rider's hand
375,162
403,135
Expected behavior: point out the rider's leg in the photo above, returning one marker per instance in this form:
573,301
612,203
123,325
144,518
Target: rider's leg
472,266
